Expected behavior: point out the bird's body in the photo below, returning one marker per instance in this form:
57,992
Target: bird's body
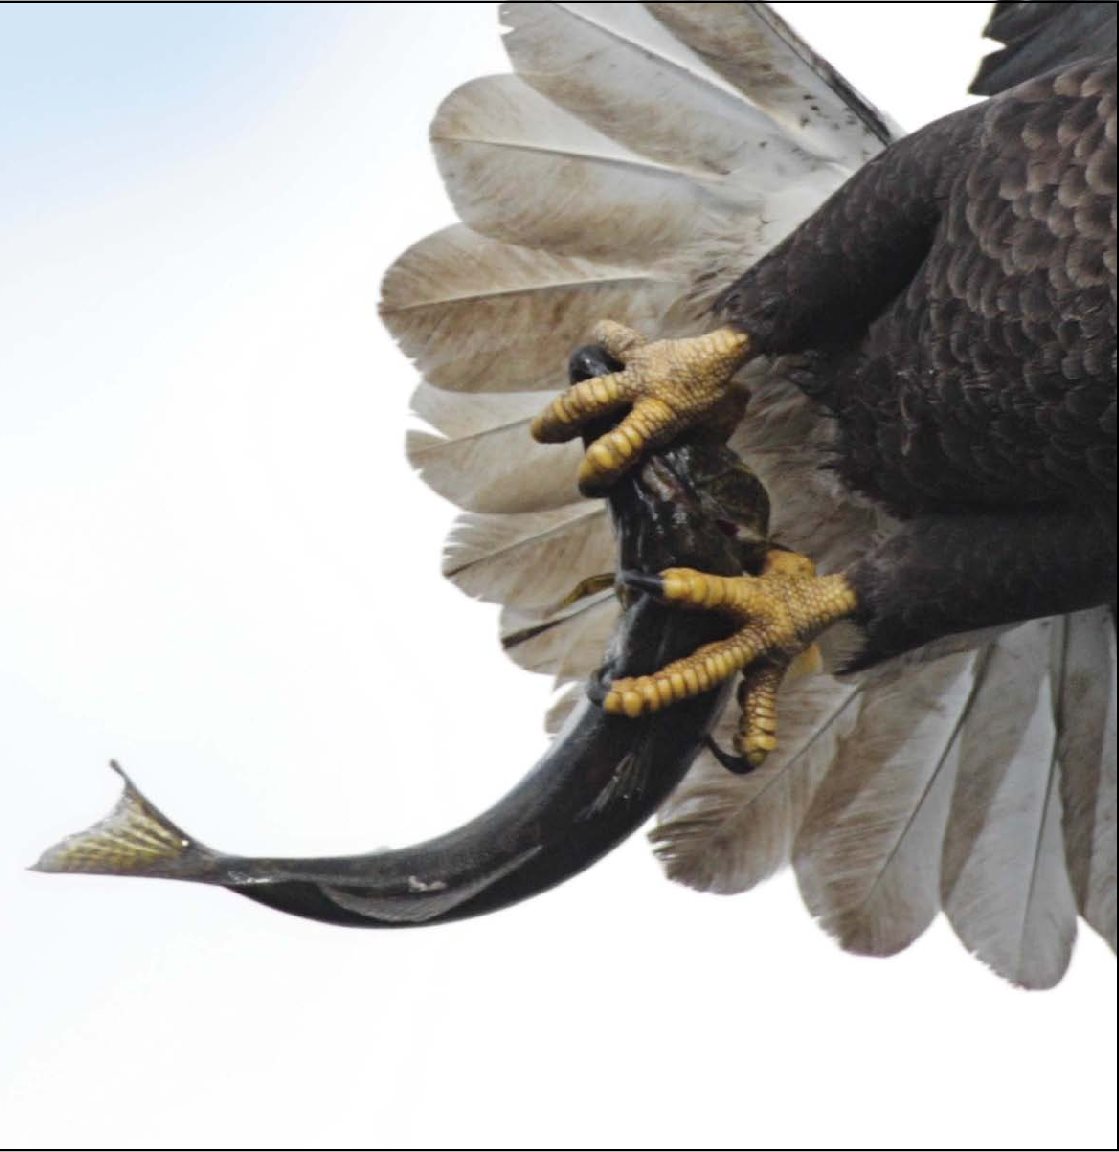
957,301
959,296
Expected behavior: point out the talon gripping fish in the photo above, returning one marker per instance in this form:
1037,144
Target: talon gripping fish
602,777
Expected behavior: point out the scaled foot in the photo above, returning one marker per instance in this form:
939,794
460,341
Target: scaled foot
780,613
669,385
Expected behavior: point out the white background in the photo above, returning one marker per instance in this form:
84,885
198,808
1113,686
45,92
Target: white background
219,569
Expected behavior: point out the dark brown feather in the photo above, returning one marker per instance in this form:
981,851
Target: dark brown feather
957,298
1040,37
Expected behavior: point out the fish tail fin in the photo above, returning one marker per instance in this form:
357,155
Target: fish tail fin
134,839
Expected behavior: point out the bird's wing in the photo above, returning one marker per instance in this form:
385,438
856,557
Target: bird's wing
1038,37
639,158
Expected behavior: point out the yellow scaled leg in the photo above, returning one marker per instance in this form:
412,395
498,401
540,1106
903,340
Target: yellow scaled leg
780,612
669,385
756,736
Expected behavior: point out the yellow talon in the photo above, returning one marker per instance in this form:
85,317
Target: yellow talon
778,614
671,386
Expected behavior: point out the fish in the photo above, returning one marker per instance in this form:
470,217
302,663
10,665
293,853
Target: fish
694,503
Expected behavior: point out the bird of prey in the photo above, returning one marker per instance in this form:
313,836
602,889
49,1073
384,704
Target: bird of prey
925,326
909,341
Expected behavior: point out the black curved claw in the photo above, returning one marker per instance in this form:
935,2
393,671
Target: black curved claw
738,765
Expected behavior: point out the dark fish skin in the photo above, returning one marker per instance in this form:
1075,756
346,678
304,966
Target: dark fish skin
602,777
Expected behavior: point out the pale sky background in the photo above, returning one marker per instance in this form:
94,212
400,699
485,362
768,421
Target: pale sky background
219,569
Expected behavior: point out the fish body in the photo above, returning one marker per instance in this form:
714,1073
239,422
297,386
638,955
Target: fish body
602,777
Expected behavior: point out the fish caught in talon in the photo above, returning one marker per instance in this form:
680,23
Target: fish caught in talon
601,778
779,612
779,623
925,328
669,385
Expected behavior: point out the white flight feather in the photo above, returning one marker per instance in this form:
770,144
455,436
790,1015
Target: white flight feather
477,315
1004,884
760,56
491,471
480,454
531,560
577,192
724,833
568,644
609,64
454,414
1085,706
867,857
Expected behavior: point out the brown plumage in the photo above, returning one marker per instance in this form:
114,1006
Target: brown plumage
958,300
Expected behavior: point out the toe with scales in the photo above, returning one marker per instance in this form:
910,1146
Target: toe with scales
779,613
668,385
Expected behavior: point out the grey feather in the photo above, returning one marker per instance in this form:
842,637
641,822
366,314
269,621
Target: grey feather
867,857
725,833
489,464
1004,883
567,645
1085,707
610,64
477,315
751,47
489,471
579,193
530,560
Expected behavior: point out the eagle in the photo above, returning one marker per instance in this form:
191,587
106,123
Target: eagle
849,394
925,328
